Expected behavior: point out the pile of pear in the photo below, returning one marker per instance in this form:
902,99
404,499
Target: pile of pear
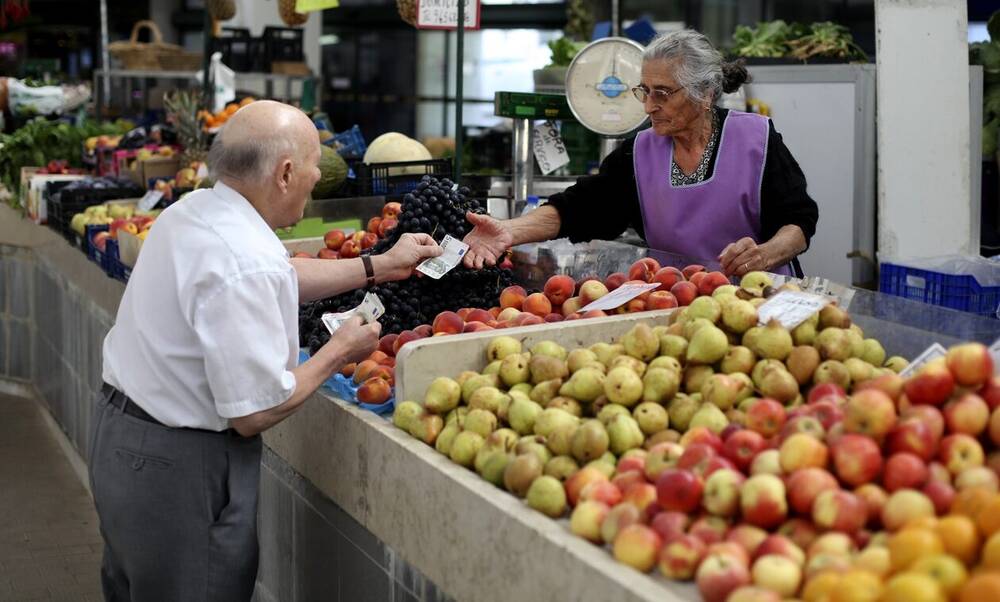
533,417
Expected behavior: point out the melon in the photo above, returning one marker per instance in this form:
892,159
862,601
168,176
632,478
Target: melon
333,172
394,147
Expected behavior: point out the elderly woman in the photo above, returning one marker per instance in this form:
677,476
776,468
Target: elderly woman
701,181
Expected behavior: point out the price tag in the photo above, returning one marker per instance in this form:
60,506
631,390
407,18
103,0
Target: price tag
370,310
843,295
550,152
149,200
620,296
791,308
933,352
443,14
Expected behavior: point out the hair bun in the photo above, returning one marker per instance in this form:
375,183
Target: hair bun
734,75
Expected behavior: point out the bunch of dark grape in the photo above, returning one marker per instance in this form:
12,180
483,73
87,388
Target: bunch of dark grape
436,207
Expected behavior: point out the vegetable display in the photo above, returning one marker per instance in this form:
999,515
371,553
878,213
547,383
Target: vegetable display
778,39
987,54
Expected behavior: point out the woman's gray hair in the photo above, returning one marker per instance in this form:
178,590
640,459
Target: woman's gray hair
248,159
698,67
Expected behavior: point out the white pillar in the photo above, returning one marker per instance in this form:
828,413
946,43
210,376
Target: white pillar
924,205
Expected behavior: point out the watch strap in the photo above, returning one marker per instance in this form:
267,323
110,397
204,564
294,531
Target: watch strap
366,260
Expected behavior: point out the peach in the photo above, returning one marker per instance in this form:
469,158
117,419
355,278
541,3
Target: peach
643,269
368,240
537,304
348,370
685,292
571,306
712,281
661,300
364,370
615,280
424,330
334,239
512,297
508,314
325,253
478,315
404,337
387,226
558,289
350,249
374,391
667,277
373,224
594,313
391,210
553,317
591,291
476,327
692,269
448,322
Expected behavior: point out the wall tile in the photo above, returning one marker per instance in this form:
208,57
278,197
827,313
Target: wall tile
318,546
19,286
362,579
20,349
275,535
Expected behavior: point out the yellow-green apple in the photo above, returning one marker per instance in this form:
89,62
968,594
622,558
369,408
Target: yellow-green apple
970,364
586,520
968,414
959,452
719,575
870,412
752,593
805,484
904,470
839,510
710,529
580,479
741,447
857,459
731,549
766,462
661,457
801,531
803,424
680,557
802,451
747,536
637,546
929,415
932,384
890,383
722,492
914,436
939,472
763,502
874,498
826,563
700,434
833,544
679,490
781,545
777,573
617,519
941,494
978,476
670,524
601,491
766,416
903,506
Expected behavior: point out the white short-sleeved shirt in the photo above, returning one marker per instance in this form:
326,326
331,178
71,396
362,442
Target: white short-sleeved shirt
208,327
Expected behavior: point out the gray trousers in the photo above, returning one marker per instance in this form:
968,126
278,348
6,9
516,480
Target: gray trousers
178,510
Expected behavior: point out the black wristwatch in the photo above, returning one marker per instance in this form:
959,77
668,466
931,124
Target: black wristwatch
369,271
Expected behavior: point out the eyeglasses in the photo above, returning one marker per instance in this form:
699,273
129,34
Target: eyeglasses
658,95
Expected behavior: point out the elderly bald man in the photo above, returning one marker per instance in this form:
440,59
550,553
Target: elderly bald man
203,356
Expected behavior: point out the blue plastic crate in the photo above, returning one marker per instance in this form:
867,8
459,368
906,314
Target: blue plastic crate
349,144
344,388
113,266
956,291
87,247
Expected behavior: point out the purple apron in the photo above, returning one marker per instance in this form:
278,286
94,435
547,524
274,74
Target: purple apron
699,220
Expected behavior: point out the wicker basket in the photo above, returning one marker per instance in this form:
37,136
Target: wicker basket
407,11
155,55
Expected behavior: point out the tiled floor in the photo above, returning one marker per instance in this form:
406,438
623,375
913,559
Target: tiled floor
50,548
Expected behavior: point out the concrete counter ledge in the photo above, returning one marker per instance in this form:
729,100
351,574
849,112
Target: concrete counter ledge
351,508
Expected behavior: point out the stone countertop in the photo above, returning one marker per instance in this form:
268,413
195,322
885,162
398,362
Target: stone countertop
474,541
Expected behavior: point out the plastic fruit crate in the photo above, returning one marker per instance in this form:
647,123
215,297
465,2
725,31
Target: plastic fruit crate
344,388
956,291
393,180
113,266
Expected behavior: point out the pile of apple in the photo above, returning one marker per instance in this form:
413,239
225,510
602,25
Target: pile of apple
339,245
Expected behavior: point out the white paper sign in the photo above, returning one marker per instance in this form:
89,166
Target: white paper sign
454,251
995,354
822,286
550,152
443,14
933,352
620,296
149,200
370,310
791,308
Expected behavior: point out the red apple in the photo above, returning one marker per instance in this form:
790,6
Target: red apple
586,520
782,546
870,412
679,490
601,491
874,498
334,239
700,434
941,494
991,392
913,435
801,531
747,536
857,459
932,384
722,492
824,390
766,416
670,524
578,480
742,446
763,501
710,529
890,384
929,415
618,518
803,424
802,450
680,556
719,575
904,470
839,510
643,497
326,253
827,411
637,546
559,288
805,484
968,414
970,364
685,292
696,457
959,452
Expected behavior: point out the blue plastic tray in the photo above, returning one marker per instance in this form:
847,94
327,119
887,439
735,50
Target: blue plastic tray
956,291
344,388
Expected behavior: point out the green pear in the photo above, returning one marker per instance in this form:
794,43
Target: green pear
493,367
859,369
668,362
476,382
705,307
561,467
681,410
746,386
873,352
578,358
521,472
514,370
503,438
638,366
834,344
721,390
482,422
707,346
738,359
534,445
606,352
446,438
723,292
487,398
607,468
739,316
802,363
406,413
566,403
693,325
500,347
522,388
833,371
624,434
660,385
711,417
857,341
586,385
543,392
762,367
494,465
559,441
465,447
779,385
552,418
590,441
755,283
547,495
832,316
695,377
427,428
651,417
457,416
641,343
673,345
896,363
804,334
545,367
442,395
464,376
611,410
623,386
770,342
549,348
522,415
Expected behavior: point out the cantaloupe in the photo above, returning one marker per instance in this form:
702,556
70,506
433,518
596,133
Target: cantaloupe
393,147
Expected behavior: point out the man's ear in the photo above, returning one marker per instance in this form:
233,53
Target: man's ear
285,175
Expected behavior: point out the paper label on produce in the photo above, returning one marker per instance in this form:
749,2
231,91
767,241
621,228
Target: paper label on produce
454,251
790,308
550,152
370,310
933,352
620,296
843,295
995,354
149,200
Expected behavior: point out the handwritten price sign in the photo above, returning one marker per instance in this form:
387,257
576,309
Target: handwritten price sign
550,151
443,14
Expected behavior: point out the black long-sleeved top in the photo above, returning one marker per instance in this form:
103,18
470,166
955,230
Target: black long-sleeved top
604,205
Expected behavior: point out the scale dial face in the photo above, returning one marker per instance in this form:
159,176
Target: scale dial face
599,85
